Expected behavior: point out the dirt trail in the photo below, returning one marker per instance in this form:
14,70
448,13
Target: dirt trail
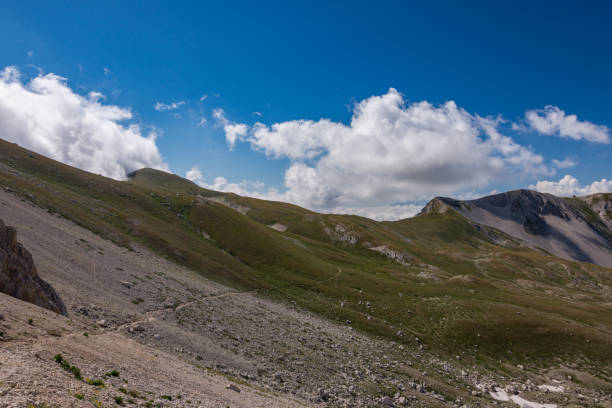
337,274
151,315
205,298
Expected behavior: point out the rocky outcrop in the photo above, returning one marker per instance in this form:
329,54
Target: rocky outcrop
601,205
397,256
18,275
342,234
234,206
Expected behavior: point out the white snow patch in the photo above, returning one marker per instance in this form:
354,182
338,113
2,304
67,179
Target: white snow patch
502,395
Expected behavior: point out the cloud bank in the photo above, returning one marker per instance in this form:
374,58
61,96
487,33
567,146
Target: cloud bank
553,121
569,186
46,116
391,152
250,189
391,155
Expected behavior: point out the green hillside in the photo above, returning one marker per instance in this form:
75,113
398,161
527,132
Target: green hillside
461,288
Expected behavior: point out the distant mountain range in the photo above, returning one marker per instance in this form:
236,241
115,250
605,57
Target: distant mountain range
578,228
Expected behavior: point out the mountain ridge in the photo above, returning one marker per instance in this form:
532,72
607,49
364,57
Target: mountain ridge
576,228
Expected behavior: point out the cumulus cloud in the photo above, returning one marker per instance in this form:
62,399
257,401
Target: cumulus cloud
390,156
472,195
244,188
47,116
195,174
257,189
569,186
203,98
553,121
381,212
202,121
233,131
392,152
564,164
159,106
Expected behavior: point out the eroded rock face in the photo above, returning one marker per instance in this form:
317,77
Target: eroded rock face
18,275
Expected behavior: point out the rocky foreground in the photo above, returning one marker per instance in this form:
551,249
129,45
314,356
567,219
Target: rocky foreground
18,275
142,331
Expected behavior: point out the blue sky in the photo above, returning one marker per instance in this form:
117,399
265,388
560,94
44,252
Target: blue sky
285,62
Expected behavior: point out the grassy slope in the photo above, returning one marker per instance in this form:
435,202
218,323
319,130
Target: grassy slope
460,291
119,211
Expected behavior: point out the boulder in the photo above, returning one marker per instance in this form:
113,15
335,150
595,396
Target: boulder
18,275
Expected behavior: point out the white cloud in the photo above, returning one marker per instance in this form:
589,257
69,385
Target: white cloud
96,96
195,174
472,195
159,106
553,121
257,189
47,116
219,114
392,153
30,53
382,212
257,113
233,131
245,188
389,157
203,98
569,186
564,164
202,121
107,71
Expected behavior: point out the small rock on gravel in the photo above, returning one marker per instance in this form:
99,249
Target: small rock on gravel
323,394
387,402
232,387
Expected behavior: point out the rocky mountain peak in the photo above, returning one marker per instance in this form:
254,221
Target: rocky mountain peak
438,205
578,228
